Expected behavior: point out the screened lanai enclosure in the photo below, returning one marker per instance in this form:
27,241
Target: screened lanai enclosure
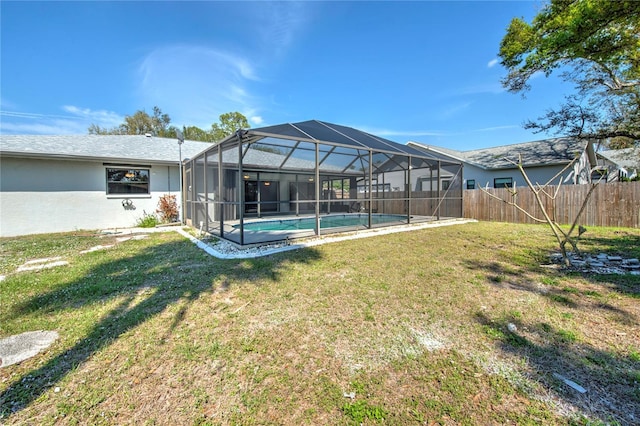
314,178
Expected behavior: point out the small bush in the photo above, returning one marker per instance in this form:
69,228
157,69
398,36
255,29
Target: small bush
148,220
168,208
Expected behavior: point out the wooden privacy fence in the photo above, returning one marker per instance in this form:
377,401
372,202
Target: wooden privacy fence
611,204
423,203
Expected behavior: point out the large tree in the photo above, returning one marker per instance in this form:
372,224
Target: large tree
158,124
140,123
229,123
596,43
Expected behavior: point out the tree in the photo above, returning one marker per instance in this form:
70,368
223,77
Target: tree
230,122
545,196
140,123
194,133
597,44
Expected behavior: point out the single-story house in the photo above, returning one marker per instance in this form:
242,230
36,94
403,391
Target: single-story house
542,160
70,182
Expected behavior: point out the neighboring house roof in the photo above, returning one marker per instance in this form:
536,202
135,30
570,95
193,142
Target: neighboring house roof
556,151
115,148
628,158
255,158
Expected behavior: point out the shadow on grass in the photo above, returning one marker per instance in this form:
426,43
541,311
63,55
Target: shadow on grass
550,286
611,381
624,243
156,276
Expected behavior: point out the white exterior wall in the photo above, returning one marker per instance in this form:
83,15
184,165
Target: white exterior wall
41,196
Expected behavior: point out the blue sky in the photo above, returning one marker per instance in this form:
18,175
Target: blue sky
424,71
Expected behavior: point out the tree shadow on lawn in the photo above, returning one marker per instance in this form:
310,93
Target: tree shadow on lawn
610,381
169,272
625,244
520,273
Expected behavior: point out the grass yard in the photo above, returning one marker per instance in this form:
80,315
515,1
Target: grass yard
407,328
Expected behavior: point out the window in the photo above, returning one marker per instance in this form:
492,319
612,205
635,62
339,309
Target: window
598,174
503,183
446,184
127,181
471,184
379,187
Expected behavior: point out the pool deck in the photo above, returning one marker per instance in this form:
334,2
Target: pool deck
227,249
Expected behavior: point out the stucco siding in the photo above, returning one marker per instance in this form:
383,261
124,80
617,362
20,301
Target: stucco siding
42,196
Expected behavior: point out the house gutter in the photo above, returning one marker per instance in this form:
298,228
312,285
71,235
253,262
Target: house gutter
47,156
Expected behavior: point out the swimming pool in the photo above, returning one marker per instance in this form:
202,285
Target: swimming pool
327,221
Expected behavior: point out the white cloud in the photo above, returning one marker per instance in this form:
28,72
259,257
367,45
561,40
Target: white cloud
195,84
479,89
492,63
453,110
494,128
395,133
256,119
53,127
76,121
279,23
101,117
5,103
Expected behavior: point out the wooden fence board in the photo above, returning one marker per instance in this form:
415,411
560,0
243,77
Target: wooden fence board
611,204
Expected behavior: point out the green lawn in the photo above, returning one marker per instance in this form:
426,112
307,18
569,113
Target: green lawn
413,325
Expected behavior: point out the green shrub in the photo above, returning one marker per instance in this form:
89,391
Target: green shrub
148,220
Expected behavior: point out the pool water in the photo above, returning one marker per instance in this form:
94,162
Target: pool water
329,221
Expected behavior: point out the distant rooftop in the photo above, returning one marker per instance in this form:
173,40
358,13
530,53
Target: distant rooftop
122,148
628,158
538,153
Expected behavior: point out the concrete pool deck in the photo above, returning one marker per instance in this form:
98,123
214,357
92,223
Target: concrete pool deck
224,249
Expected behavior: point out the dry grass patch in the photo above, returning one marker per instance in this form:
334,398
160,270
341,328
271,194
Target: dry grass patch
408,328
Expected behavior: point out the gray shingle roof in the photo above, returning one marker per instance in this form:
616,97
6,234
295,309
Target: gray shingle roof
628,157
129,148
538,153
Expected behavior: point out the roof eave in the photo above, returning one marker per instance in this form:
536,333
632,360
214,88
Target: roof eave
52,156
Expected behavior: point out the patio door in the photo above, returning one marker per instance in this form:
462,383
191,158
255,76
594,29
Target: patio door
260,197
